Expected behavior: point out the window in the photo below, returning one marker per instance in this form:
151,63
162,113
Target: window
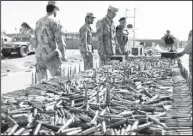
26,39
16,39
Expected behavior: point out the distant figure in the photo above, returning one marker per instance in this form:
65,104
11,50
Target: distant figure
86,48
169,40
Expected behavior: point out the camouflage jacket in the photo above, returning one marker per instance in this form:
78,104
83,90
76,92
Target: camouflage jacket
48,38
122,36
85,36
106,36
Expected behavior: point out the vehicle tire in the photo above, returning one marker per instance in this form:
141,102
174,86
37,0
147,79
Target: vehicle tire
23,51
6,54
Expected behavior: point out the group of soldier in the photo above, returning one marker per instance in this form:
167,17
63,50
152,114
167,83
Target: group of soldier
110,39
49,40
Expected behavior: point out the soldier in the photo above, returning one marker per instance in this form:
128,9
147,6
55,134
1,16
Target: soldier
169,40
188,50
106,36
47,42
122,35
85,46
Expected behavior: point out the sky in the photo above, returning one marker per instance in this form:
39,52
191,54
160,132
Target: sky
153,18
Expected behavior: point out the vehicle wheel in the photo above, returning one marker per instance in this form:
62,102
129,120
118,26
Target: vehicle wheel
6,54
23,52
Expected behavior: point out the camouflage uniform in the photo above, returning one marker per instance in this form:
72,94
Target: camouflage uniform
122,38
48,41
106,37
85,46
62,48
188,50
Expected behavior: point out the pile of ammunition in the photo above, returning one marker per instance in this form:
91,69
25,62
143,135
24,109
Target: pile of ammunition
128,98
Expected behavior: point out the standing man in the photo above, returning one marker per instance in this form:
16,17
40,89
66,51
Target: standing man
85,46
169,40
106,36
188,50
48,41
122,35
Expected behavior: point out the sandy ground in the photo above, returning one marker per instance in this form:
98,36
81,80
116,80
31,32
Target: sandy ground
16,72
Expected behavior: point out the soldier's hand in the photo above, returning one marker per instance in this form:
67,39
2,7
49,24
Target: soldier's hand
88,53
103,56
179,54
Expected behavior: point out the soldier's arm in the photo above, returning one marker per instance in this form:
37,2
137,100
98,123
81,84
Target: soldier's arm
118,35
83,38
100,33
188,47
118,48
57,30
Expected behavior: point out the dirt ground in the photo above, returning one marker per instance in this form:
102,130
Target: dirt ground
16,72
14,63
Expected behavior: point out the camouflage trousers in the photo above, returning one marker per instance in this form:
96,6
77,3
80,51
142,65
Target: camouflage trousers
190,83
124,52
104,59
53,66
88,60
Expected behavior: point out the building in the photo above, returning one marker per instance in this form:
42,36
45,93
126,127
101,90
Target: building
72,41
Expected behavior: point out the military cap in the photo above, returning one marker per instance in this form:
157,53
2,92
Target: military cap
113,9
53,3
123,18
90,15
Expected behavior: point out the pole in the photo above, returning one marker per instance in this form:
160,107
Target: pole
134,28
73,44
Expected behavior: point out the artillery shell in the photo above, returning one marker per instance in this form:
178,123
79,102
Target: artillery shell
69,130
157,122
88,131
60,121
66,124
19,131
59,113
103,126
52,127
135,124
13,129
74,132
7,131
116,132
117,123
112,132
56,118
108,132
36,130
122,131
35,111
